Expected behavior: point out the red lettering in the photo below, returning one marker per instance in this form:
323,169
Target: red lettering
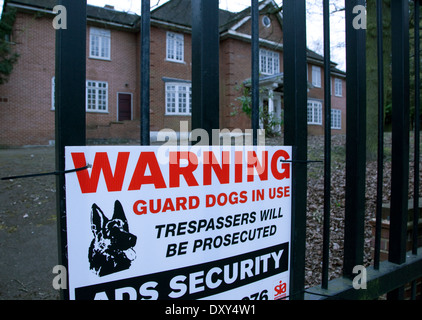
243,197
181,203
143,209
253,162
168,205
285,174
222,172
287,191
176,170
139,178
238,166
114,182
193,202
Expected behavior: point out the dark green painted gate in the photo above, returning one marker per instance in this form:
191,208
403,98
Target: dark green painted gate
384,277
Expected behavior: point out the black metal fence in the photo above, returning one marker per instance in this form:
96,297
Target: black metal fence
384,277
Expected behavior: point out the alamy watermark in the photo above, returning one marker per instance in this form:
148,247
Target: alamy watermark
359,282
60,20
359,22
60,280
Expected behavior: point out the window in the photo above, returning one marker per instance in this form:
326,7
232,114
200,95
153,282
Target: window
269,62
314,112
338,88
316,76
99,43
266,21
53,92
178,98
96,96
335,119
175,47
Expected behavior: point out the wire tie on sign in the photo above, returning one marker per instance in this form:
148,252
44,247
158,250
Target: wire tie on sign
55,173
302,161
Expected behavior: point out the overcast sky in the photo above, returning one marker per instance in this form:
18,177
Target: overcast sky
314,22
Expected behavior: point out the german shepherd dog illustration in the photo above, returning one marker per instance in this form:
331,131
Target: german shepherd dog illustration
111,249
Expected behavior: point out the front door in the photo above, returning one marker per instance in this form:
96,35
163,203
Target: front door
125,106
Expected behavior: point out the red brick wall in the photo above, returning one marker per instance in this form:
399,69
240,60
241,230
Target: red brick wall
336,103
273,33
340,104
160,67
235,67
120,72
26,112
26,117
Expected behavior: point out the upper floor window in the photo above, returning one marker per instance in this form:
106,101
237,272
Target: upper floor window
99,43
175,47
316,76
338,88
269,62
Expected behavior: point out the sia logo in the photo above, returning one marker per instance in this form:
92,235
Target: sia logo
280,291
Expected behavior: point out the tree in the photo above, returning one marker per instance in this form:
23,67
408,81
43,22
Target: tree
372,73
7,57
412,25
269,121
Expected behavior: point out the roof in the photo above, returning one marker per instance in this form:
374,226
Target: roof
176,12
179,12
93,12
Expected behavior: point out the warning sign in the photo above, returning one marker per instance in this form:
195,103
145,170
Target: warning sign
178,222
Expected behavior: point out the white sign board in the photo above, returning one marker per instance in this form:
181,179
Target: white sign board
178,222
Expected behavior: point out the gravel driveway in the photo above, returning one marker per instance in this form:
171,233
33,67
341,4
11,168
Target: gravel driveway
28,235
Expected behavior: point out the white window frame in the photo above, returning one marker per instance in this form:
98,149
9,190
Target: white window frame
87,88
53,92
99,43
269,62
314,112
338,87
336,119
178,99
316,76
175,47
100,98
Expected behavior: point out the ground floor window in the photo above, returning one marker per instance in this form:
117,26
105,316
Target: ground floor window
178,98
96,96
314,112
335,119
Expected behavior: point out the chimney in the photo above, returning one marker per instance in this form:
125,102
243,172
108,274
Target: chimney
108,6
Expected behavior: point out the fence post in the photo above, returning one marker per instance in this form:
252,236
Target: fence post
255,70
296,132
355,141
205,66
400,135
70,89
327,147
145,72
380,160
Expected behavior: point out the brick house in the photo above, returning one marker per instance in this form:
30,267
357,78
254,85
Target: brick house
113,72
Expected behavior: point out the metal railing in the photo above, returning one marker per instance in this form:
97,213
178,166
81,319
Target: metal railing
384,277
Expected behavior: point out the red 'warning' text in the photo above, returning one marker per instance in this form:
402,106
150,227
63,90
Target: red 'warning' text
245,166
